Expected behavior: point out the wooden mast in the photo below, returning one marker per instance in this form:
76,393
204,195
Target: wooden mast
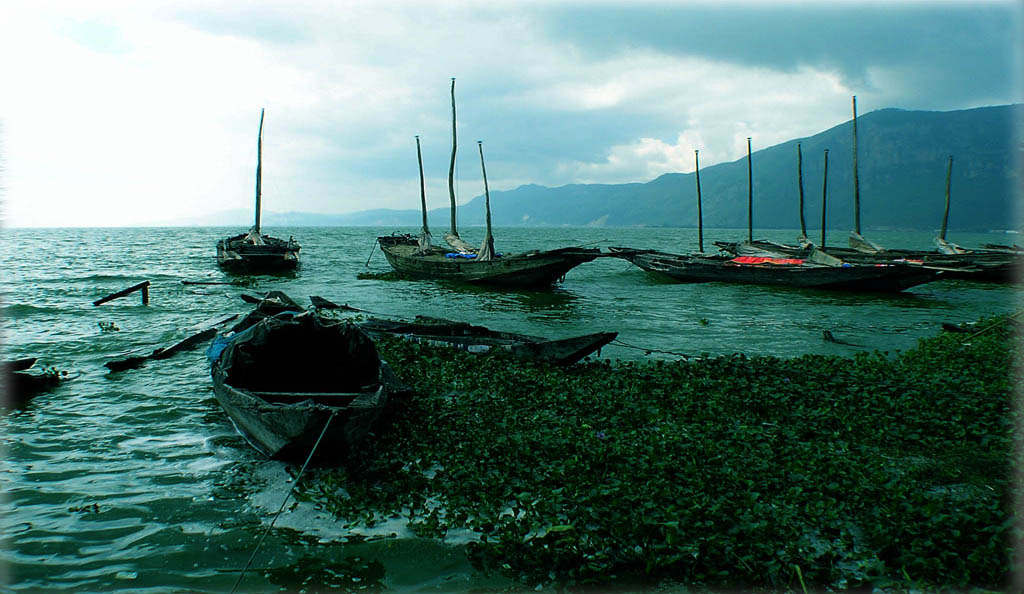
259,171
750,196
945,215
451,166
856,178
425,233
800,182
824,195
700,213
487,249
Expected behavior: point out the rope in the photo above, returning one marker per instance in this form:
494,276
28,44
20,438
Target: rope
994,324
649,351
373,247
286,497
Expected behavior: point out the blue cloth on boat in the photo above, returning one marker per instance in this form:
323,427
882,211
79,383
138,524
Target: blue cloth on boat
459,255
217,347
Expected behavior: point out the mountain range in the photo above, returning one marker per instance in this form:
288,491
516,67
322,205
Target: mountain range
902,160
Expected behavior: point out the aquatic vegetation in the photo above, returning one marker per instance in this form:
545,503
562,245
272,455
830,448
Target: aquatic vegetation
880,470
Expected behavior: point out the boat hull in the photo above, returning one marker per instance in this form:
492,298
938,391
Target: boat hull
985,265
691,269
236,254
478,339
290,431
291,381
528,269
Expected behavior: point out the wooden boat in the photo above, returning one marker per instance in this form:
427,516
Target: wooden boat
526,269
252,251
990,263
987,265
479,339
773,271
295,384
415,257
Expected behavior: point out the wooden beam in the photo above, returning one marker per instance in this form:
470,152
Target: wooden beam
143,286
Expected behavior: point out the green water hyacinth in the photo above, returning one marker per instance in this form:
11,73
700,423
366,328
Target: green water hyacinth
887,471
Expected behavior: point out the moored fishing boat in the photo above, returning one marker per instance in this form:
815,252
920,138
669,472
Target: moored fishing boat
293,384
776,271
252,251
999,266
534,268
415,257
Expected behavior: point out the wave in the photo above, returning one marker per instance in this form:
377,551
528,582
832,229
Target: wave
21,310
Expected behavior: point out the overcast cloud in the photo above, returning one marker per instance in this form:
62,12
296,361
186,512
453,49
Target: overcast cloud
129,113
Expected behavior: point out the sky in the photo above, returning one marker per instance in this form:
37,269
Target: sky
137,113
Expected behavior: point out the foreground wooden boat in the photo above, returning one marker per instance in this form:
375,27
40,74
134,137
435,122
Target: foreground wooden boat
478,339
789,272
254,252
289,382
525,270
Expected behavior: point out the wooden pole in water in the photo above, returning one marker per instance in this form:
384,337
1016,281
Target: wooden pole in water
143,286
945,215
800,182
259,172
750,196
451,166
487,250
824,195
423,190
700,213
856,178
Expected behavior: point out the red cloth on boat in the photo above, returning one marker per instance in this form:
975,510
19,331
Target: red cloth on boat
766,260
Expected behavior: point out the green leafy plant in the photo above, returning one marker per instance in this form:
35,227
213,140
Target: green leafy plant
805,473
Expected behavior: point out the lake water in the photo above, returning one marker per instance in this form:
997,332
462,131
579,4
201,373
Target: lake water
138,481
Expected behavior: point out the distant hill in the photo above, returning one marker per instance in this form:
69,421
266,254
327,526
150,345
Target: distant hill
902,159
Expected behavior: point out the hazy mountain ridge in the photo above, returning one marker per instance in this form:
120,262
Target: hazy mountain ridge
902,160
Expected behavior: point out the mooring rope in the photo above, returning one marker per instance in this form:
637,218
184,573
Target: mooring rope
372,247
286,497
994,324
649,351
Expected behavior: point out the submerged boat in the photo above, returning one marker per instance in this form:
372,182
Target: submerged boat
295,384
415,257
476,339
21,383
252,251
479,339
778,271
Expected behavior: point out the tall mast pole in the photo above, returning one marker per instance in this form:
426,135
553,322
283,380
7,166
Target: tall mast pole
451,166
487,249
945,215
800,182
750,196
700,213
423,189
824,195
259,172
856,178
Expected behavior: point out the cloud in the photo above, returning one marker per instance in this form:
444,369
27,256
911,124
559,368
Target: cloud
124,112
939,41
